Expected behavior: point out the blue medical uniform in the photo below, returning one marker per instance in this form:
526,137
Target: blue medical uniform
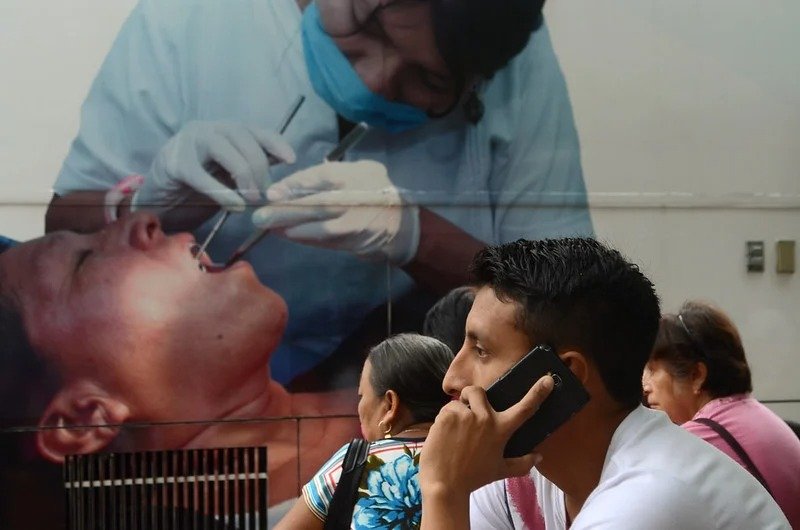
515,174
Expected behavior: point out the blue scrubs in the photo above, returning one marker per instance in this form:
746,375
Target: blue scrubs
515,174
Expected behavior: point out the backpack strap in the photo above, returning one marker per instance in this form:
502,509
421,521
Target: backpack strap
340,512
737,448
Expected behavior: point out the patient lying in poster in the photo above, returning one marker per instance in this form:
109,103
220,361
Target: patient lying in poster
121,327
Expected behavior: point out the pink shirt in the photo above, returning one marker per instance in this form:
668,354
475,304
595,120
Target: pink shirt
766,438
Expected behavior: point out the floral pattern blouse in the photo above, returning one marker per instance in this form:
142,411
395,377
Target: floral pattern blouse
388,496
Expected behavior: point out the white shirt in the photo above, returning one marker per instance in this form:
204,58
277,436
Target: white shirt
655,476
515,174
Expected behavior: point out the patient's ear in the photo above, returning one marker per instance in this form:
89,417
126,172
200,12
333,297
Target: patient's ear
577,363
80,403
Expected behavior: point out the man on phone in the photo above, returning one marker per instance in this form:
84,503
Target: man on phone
614,464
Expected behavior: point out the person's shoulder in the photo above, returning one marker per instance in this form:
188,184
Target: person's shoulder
391,448
489,508
658,460
334,463
531,83
204,16
536,59
638,496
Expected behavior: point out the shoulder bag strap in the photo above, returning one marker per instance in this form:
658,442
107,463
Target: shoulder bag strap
340,512
738,449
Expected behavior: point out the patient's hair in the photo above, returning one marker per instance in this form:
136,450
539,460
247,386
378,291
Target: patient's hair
448,316
413,366
27,382
27,385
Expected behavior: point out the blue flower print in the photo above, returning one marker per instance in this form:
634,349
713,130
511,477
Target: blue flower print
390,499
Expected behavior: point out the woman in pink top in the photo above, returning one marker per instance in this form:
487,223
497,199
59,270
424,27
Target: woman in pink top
698,375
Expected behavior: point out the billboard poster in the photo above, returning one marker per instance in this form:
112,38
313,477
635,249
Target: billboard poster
224,243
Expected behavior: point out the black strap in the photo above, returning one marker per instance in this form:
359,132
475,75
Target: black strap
738,449
340,512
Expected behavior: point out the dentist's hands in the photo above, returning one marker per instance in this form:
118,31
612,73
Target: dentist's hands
350,206
184,166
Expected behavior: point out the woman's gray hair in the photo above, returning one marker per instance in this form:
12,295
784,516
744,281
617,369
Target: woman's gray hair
413,366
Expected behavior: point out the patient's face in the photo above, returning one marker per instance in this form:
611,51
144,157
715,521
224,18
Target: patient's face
130,307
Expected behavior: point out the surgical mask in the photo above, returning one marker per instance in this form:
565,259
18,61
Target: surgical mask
335,80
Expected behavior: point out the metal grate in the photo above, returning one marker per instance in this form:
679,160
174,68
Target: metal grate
192,489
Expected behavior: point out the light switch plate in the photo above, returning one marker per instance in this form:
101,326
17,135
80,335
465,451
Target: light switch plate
755,256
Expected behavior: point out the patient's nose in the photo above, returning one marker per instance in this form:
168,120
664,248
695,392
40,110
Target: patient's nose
141,230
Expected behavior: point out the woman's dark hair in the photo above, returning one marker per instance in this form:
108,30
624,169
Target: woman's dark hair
413,366
446,319
703,333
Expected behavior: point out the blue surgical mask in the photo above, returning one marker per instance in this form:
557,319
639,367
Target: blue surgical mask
335,80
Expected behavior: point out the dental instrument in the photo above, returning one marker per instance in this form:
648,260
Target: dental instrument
350,140
219,172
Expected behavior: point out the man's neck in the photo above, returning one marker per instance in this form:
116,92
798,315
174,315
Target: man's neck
574,458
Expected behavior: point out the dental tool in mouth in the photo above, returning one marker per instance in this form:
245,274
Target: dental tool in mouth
219,171
204,263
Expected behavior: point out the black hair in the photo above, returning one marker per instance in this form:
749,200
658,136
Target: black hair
446,319
479,37
576,293
27,381
701,333
27,384
413,366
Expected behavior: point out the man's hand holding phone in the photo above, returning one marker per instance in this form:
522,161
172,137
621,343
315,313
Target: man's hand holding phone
464,448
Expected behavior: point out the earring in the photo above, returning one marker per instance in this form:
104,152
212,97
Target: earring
387,433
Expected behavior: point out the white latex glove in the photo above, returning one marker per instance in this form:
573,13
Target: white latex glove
182,165
349,206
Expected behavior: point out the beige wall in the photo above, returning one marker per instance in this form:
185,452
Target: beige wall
688,113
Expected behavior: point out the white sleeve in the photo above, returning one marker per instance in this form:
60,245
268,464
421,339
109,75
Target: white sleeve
537,181
134,104
644,501
488,508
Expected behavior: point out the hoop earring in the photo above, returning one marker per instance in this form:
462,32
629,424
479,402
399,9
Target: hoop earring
387,433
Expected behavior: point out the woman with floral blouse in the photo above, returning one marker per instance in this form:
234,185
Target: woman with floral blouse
400,393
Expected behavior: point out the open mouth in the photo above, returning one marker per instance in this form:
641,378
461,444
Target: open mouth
204,261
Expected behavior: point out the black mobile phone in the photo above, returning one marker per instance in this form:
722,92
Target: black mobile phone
567,398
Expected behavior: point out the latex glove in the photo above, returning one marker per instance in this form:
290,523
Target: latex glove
350,206
182,165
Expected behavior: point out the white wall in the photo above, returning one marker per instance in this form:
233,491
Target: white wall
689,118
688,112
49,53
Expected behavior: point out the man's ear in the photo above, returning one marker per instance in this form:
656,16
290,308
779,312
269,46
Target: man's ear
78,404
577,363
